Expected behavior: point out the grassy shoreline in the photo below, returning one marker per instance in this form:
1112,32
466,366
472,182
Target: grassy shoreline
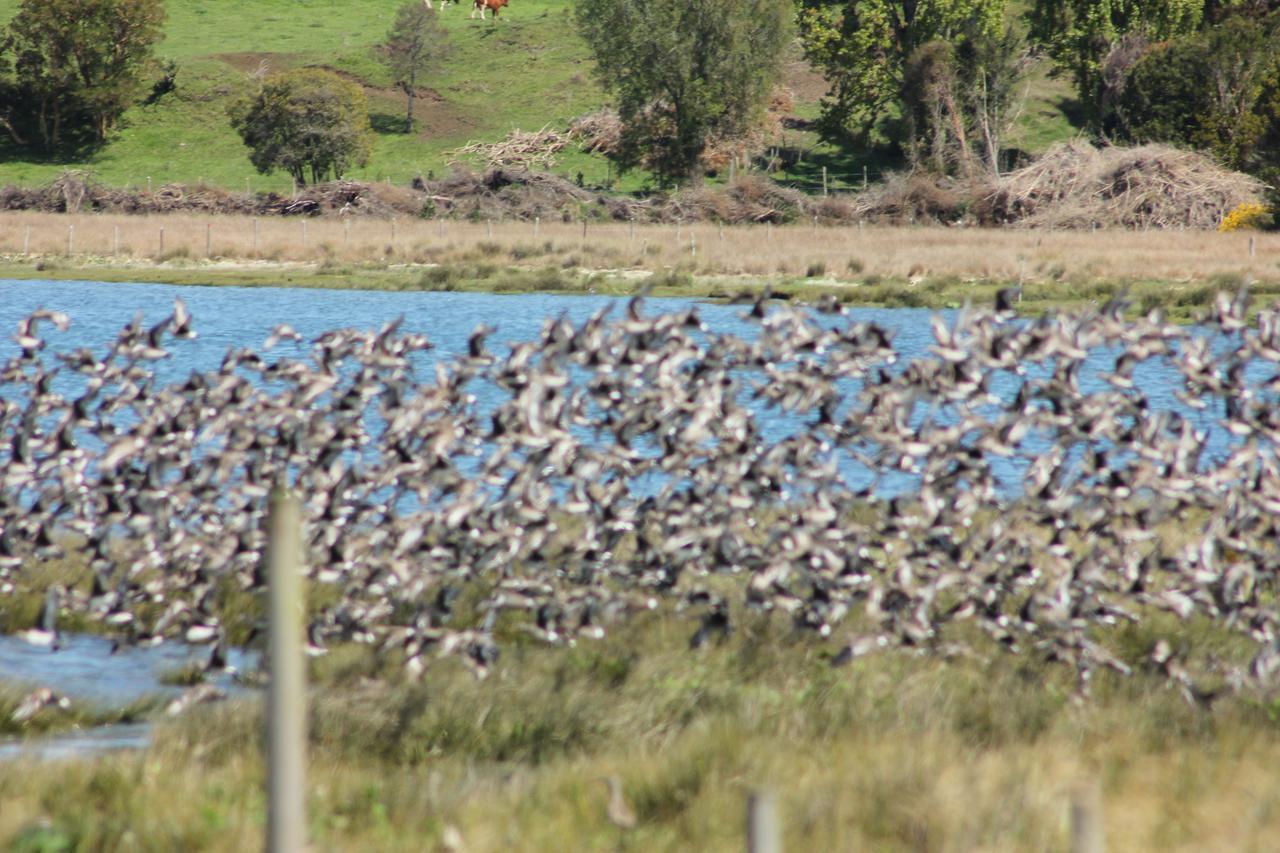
893,752
873,266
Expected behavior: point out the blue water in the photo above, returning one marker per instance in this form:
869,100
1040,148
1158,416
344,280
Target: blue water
93,674
228,318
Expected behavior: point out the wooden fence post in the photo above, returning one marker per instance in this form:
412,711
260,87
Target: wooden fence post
286,690
71,239
26,242
208,239
161,252
115,240
763,835
1086,820
824,181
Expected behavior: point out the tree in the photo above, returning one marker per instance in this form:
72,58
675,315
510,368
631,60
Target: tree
862,47
77,63
1080,34
1211,90
309,122
415,46
959,102
683,71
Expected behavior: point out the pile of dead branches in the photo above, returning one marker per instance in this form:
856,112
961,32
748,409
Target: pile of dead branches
910,198
1076,185
519,149
600,132
597,133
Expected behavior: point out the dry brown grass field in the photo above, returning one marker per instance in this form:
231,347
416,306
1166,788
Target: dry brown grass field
835,255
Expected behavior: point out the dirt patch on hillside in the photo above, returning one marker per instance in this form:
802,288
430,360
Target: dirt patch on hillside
806,84
253,61
434,116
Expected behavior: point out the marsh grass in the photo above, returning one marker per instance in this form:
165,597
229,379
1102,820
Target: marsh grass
78,716
892,752
895,267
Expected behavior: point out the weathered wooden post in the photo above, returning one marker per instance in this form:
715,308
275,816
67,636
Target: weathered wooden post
763,835
286,690
208,239
115,240
161,252
71,239
1253,246
824,181
26,242
1086,820
864,176
255,235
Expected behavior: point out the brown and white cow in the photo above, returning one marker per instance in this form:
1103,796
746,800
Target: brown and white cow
495,5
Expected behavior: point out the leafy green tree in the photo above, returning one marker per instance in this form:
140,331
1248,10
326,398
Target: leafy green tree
77,64
683,72
862,48
1210,90
959,102
309,122
415,46
1079,34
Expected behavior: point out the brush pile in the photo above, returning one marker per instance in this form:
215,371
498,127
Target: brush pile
520,149
1075,185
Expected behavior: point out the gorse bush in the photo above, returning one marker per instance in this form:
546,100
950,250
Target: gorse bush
1246,216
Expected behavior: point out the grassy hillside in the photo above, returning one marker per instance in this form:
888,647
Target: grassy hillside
528,70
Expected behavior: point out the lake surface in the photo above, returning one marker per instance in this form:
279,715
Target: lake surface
88,670
229,318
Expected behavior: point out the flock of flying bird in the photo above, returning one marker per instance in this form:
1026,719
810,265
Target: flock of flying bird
627,466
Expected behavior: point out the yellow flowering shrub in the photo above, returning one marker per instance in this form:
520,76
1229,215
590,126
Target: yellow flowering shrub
1247,215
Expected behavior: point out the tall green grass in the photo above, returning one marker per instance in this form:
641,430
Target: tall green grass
893,752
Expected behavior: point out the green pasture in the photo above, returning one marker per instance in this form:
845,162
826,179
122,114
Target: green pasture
526,71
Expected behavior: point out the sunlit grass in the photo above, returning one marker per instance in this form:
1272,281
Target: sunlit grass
893,752
891,267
